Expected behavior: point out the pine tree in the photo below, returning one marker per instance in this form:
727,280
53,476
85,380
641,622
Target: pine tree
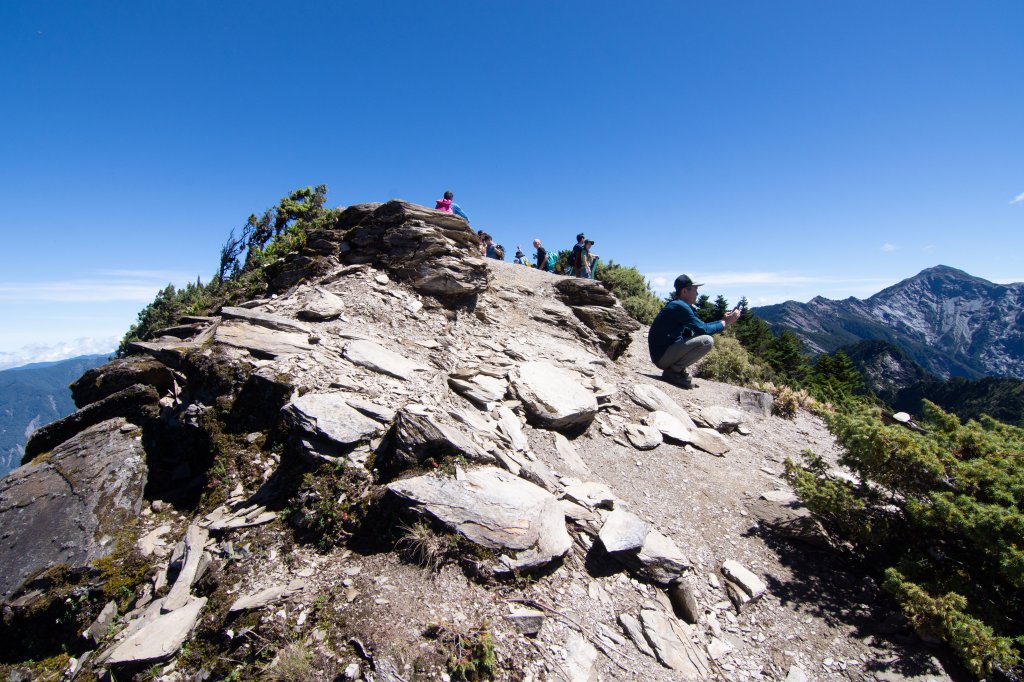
784,354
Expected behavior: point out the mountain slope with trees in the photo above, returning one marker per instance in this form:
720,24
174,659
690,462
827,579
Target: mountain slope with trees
33,396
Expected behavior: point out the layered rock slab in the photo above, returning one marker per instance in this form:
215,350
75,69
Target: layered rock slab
495,510
59,510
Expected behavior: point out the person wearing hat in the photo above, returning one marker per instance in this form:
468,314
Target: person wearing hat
678,338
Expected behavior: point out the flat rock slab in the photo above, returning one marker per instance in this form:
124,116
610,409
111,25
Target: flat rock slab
261,341
161,638
496,510
269,320
590,494
643,437
527,621
180,594
655,399
669,426
552,396
258,600
53,511
710,441
670,639
580,660
331,416
381,360
569,456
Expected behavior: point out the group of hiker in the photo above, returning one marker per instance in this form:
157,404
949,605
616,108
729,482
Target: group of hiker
582,262
677,338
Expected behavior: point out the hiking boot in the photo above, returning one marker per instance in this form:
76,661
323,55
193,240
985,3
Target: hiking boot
680,379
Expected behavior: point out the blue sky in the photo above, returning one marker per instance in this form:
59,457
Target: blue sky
777,150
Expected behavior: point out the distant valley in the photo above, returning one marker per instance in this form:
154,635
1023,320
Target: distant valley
32,396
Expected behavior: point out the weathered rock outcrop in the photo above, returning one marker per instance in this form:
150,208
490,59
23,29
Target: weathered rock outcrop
598,308
135,403
431,250
70,508
101,382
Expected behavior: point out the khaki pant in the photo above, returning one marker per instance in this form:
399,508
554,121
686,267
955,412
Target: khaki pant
682,354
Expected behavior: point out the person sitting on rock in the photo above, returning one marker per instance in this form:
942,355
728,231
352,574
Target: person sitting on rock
448,205
678,338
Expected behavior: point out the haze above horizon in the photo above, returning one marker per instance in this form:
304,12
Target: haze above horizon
775,150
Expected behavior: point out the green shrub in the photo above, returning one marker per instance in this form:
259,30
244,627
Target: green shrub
942,513
632,289
730,363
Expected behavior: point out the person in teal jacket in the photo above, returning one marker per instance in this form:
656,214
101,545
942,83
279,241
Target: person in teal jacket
678,338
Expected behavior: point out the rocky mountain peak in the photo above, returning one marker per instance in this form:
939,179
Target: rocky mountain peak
949,322
407,463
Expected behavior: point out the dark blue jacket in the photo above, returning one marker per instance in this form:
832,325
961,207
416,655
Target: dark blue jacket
677,321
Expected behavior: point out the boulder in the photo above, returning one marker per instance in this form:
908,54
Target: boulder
54,511
496,510
117,375
580,660
321,306
755,402
636,544
330,416
643,437
722,419
753,586
569,456
527,621
553,397
379,359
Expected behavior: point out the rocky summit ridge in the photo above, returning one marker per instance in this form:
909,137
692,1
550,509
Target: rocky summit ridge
408,463
949,322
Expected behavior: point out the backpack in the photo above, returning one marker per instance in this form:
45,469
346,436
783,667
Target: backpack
499,251
552,259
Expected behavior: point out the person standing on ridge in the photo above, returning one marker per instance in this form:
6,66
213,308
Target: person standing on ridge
589,259
678,338
577,260
542,255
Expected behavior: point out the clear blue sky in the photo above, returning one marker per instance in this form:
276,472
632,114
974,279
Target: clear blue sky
776,150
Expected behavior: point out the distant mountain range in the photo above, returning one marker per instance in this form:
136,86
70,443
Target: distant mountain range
945,320
32,396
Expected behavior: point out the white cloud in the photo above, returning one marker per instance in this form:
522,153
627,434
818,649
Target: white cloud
928,247
112,285
1019,199
39,352
888,247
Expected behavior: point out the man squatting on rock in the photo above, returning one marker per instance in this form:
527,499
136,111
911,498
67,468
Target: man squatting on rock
678,338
